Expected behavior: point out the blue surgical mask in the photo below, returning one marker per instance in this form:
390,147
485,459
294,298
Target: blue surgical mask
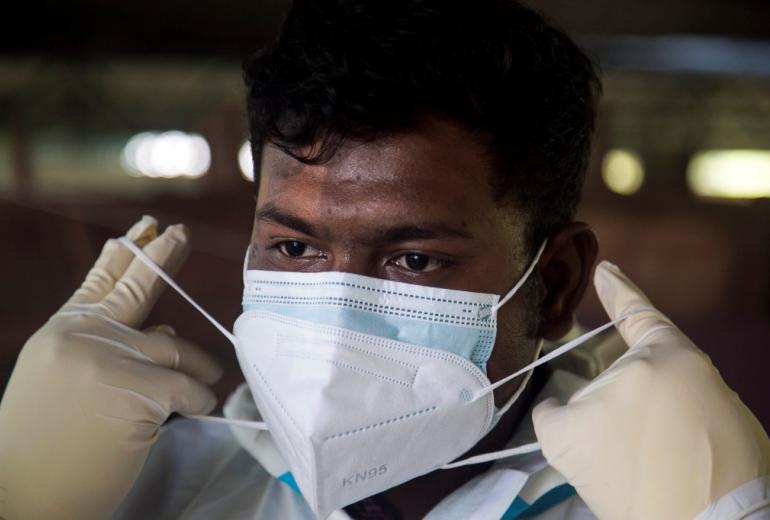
460,322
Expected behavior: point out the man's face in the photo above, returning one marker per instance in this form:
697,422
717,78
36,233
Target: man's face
415,207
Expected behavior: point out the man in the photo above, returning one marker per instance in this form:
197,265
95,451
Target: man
433,143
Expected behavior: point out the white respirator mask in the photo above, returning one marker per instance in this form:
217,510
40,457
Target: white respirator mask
366,383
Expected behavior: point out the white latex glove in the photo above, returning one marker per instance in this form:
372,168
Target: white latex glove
658,435
89,391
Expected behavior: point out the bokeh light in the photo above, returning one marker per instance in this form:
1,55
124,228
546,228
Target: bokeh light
622,171
166,155
731,174
246,162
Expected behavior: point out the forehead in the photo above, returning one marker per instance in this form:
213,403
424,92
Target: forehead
438,172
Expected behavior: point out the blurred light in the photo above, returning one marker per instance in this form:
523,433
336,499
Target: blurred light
732,174
167,154
622,171
129,159
246,162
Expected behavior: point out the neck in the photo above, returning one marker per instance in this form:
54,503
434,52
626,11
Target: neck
414,499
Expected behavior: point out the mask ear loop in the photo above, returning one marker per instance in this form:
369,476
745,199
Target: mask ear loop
523,384
141,255
246,265
494,455
478,394
533,446
485,313
505,299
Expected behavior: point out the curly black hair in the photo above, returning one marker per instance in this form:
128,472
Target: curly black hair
360,69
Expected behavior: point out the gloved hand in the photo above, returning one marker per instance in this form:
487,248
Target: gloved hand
658,434
89,391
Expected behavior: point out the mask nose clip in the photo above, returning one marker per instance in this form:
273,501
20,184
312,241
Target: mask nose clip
485,313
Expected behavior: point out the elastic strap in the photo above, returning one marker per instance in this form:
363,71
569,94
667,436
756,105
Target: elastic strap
254,425
246,264
141,255
534,446
494,455
510,294
478,394
523,384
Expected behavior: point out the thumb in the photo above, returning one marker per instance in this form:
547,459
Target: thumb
620,297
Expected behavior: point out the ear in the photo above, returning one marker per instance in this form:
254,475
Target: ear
565,268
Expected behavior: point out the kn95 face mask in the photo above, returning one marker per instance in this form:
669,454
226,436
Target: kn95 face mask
364,383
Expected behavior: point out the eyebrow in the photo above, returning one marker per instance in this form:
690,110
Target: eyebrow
270,213
403,233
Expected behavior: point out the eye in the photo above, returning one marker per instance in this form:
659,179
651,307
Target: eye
297,249
418,263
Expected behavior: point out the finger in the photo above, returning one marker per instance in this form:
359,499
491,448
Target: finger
139,288
112,262
165,329
179,354
620,297
173,391
548,420
197,400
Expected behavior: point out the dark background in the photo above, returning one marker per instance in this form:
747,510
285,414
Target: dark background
78,79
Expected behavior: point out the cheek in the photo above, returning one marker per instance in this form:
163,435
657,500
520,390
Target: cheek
515,345
512,331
